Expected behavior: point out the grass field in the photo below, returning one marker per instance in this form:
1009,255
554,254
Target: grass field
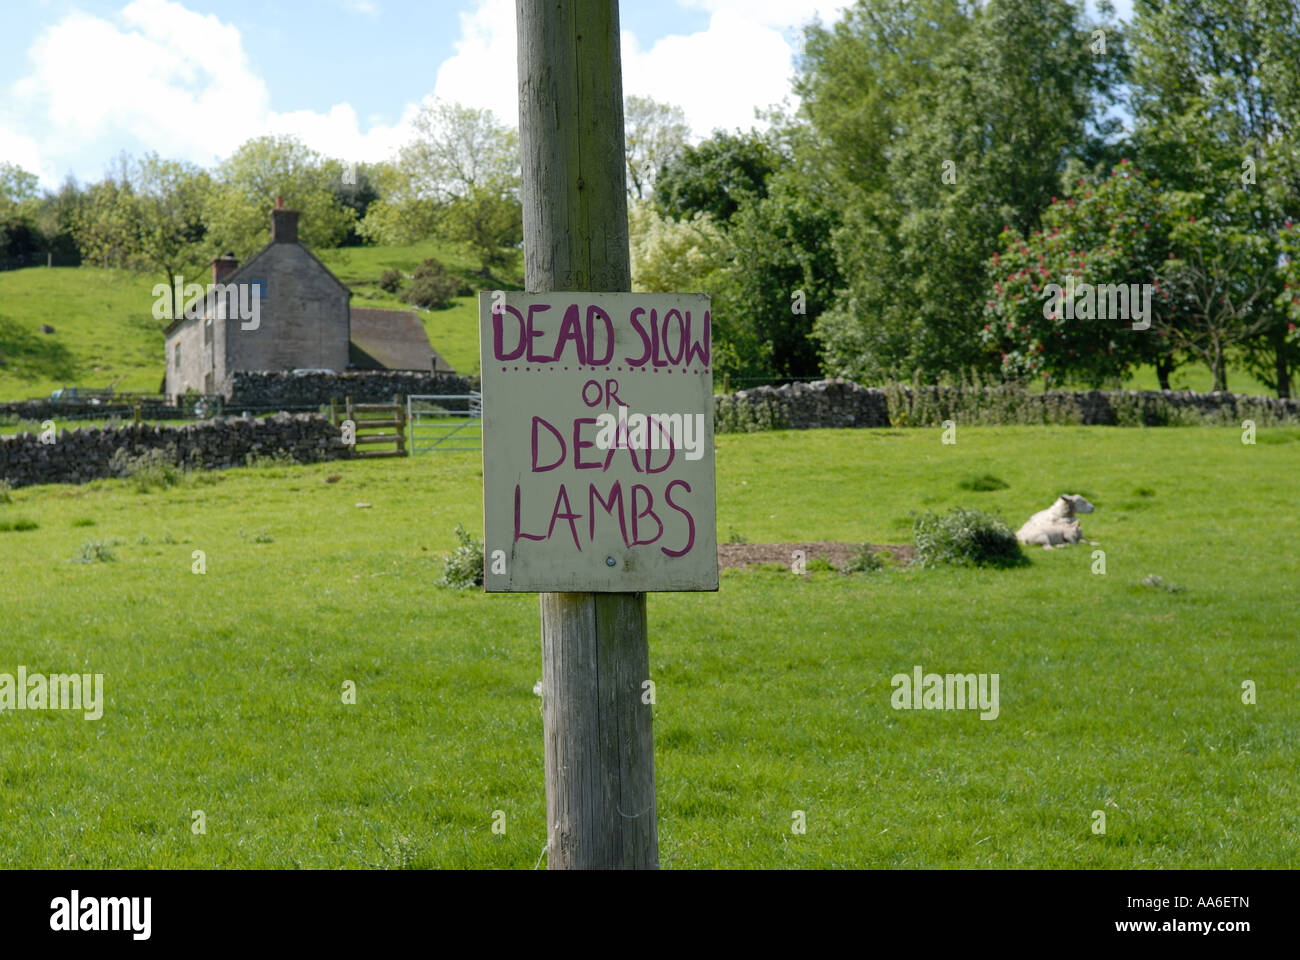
223,691
105,332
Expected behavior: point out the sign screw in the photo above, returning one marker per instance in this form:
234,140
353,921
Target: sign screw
609,561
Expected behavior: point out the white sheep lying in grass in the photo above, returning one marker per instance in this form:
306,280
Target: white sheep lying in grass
1056,526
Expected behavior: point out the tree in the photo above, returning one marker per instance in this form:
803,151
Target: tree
1098,242
939,123
169,202
459,177
1223,276
248,182
782,277
19,237
716,176
357,189
654,133
670,256
1216,99
489,220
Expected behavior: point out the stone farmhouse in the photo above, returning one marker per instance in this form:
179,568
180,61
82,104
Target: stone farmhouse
305,322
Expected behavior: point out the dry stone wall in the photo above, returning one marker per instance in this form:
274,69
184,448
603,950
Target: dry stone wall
81,455
841,403
269,388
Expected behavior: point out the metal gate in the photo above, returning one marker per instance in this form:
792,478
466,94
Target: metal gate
434,422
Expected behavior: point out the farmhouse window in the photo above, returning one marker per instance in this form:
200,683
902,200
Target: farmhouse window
178,356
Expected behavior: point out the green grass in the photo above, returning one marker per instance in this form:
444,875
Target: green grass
223,690
105,332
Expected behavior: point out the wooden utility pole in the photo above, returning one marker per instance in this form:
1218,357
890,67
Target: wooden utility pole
600,789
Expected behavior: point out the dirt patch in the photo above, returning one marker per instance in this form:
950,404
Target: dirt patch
734,555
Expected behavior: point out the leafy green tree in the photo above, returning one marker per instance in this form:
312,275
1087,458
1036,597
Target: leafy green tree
489,220
715,176
940,122
459,177
1216,100
654,133
1114,233
248,182
670,256
783,276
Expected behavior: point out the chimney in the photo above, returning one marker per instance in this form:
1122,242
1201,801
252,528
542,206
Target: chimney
224,266
284,223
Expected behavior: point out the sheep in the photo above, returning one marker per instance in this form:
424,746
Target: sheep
1056,526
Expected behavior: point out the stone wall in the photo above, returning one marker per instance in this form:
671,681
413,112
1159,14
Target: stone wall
268,388
841,403
40,410
81,455
800,406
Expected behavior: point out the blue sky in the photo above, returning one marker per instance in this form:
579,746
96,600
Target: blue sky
82,80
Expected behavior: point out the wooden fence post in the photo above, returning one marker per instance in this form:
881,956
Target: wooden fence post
600,791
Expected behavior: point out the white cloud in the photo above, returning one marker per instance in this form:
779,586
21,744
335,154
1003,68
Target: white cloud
144,77
484,70
138,76
718,75
24,152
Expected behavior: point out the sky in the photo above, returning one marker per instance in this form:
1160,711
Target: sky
83,80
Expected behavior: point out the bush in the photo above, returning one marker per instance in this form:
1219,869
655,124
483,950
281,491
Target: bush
463,567
965,538
431,286
5,487
95,550
864,561
390,281
152,469
18,525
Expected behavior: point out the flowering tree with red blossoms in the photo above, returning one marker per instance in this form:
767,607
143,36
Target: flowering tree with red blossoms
1114,233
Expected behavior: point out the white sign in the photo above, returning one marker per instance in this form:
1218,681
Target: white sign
597,442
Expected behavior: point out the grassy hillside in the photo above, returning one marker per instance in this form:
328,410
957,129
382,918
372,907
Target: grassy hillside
223,691
454,331
104,330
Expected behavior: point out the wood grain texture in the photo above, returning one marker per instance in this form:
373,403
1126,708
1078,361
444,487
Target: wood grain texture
600,793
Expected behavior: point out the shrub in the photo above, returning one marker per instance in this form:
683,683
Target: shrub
864,561
5,488
431,286
278,458
463,567
390,281
95,550
965,538
18,525
154,468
